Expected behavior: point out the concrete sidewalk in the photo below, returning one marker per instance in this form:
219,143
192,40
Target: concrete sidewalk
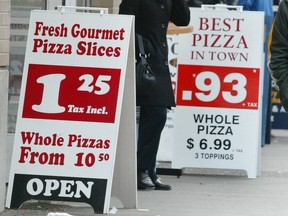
217,193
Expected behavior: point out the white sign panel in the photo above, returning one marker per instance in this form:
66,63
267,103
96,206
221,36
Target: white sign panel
70,107
218,115
167,136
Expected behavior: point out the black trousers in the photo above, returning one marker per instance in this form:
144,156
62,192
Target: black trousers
151,123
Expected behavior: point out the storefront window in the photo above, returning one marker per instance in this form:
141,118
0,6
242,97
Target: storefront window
20,13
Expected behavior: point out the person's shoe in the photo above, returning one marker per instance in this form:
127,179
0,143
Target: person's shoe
144,181
160,186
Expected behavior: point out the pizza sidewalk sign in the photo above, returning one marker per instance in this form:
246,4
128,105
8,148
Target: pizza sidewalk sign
76,107
219,90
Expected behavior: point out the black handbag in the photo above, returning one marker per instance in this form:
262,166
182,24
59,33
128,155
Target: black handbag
145,78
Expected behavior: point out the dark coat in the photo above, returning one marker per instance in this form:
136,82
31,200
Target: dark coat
151,21
278,51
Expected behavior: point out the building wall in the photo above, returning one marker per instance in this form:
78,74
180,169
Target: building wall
4,62
4,32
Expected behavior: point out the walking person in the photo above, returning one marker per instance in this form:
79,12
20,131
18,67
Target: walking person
151,22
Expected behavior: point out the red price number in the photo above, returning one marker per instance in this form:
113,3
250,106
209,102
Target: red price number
213,86
90,159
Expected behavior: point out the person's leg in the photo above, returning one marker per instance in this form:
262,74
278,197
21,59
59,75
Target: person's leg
152,172
158,184
151,123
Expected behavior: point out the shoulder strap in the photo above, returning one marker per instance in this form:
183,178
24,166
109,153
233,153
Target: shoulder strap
141,46
142,53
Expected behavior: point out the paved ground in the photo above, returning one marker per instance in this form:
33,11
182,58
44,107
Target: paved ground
203,193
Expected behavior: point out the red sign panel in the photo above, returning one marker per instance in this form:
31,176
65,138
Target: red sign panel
214,86
71,93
